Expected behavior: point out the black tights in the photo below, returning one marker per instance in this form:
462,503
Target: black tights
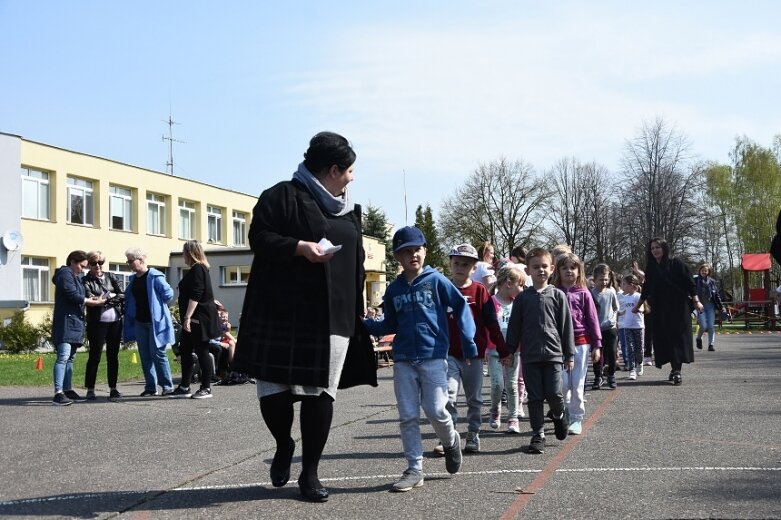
316,416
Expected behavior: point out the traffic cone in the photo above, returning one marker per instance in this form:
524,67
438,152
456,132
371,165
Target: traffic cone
39,363
133,359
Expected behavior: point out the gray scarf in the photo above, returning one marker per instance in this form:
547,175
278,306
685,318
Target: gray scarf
334,206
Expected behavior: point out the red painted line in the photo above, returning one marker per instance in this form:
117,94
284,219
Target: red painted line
517,507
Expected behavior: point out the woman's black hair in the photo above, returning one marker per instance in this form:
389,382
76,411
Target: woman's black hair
327,149
649,258
76,256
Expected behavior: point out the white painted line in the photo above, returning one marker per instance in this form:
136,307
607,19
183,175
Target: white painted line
83,496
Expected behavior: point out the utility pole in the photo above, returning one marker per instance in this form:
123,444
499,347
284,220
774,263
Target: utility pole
169,165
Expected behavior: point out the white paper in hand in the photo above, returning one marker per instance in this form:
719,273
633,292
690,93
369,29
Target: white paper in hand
328,247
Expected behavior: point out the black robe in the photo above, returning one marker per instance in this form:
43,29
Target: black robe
284,328
668,287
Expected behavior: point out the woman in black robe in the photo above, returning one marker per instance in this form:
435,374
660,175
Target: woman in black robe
670,290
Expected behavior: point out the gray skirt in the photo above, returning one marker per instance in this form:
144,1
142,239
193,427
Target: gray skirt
338,347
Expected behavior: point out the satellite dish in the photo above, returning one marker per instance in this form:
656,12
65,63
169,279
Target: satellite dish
12,240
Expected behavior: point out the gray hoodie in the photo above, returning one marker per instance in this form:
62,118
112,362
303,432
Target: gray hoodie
541,325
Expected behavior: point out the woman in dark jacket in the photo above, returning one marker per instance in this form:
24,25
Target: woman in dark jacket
669,287
68,324
199,321
104,324
299,332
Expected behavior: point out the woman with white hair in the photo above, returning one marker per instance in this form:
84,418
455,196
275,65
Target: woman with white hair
148,321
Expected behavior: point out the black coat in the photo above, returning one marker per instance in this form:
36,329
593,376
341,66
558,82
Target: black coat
669,287
196,285
284,330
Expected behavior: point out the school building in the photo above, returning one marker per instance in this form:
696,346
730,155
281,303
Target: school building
56,200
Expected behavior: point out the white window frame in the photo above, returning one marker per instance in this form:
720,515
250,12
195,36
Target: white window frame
155,214
231,275
120,204
187,215
41,268
213,224
122,272
83,188
37,181
239,228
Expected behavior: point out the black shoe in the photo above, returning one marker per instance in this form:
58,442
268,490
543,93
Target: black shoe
114,394
677,379
168,393
671,376
453,456
561,427
699,343
181,393
280,466
91,395
148,393
73,396
61,400
597,384
611,382
537,445
711,349
549,415
317,494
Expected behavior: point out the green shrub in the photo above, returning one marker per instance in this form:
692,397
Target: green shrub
20,335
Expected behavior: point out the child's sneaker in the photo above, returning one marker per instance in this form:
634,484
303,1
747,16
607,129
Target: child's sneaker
611,382
576,428
640,370
472,444
632,375
560,426
411,478
597,384
537,445
512,426
453,456
439,450
495,421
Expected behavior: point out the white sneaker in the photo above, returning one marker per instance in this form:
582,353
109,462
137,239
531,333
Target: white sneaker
648,362
575,428
632,374
640,370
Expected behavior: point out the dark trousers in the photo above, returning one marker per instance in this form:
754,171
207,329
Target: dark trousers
99,334
190,342
649,335
609,354
543,382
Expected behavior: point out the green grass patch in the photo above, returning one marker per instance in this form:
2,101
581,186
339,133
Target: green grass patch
19,369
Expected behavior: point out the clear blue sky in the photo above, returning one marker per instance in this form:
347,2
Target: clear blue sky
430,88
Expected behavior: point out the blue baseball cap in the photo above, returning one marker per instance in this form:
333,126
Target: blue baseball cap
408,236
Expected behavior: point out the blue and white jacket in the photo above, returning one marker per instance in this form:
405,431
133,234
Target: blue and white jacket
417,313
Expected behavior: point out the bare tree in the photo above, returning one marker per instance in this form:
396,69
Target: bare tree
500,202
661,185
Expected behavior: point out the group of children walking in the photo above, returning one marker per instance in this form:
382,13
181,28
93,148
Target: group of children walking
446,327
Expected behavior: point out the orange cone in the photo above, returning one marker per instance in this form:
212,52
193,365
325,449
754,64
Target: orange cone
133,359
39,363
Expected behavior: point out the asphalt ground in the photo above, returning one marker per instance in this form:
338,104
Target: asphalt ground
709,448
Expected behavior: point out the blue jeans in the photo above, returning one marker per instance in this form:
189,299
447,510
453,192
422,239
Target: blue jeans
63,367
471,378
707,321
509,379
634,347
416,384
154,361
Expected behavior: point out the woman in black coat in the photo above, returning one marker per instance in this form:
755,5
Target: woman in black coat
669,288
299,334
199,321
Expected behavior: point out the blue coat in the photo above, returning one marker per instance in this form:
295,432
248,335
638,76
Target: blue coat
160,293
68,318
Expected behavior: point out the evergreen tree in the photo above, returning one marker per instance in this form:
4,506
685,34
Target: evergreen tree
375,224
424,220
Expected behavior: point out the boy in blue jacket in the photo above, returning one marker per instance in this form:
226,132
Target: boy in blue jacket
416,306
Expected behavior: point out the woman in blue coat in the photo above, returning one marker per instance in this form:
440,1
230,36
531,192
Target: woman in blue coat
68,324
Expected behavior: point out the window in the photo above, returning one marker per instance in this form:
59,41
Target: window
155,214
214,224
35,194
80,202
122,272
234,274
120,208
239,228
35,279
186,219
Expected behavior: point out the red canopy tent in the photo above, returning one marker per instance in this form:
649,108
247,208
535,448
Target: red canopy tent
758,302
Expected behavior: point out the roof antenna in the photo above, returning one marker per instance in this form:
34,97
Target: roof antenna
169,166
405,197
